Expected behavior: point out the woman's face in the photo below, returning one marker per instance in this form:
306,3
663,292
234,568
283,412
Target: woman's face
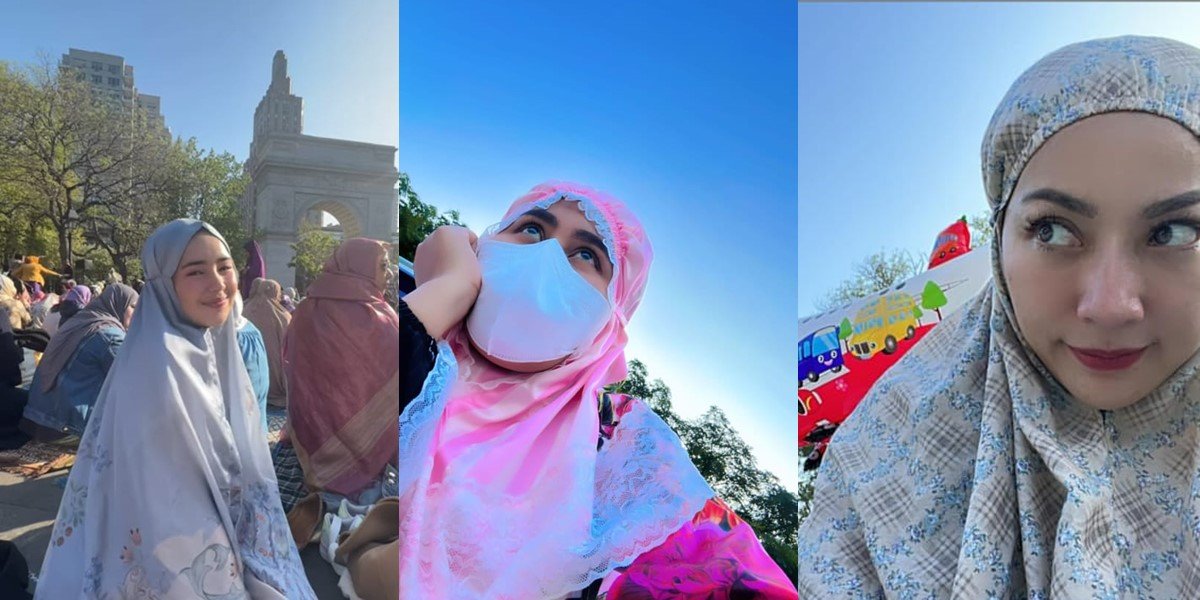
1101,253
127,318
205,281
564,221
381,272
584,248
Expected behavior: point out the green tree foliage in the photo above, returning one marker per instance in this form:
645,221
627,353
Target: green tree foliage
75,157
417,219
845,330
726,462
91,178
312,248
981,230
208,185
878,271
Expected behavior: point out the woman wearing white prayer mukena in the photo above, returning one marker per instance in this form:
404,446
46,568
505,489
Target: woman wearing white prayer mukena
173,494
1044,441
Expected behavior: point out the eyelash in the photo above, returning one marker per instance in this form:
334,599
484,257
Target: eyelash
1037,222
541,234
221,269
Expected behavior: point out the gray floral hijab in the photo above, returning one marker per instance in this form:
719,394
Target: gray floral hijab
967,471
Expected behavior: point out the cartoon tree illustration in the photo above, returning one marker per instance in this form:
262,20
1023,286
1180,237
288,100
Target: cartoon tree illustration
845,330
933,298
917,314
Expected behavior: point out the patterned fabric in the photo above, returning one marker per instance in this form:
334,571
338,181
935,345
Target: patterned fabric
968,471
289,474
715,555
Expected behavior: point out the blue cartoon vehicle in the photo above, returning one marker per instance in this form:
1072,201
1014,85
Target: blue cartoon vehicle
820,352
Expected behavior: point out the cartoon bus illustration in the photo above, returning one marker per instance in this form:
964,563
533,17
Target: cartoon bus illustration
820,352
881,324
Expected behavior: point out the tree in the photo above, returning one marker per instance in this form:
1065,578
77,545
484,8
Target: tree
209,186
73,154
312,248
933,298
417,219
845,330
878,271
981,230
726,463
917,314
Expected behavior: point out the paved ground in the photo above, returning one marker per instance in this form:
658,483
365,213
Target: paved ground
28,507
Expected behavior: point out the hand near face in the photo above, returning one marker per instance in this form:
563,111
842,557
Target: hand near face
448,279
449,250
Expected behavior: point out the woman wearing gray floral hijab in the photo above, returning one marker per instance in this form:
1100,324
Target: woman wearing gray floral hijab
1044,440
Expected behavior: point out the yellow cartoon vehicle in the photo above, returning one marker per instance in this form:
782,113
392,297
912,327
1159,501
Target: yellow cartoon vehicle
882,323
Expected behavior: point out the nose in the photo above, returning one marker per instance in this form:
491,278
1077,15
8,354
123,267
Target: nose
215,281
1112,291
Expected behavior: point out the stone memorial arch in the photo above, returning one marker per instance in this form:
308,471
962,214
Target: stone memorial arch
294,176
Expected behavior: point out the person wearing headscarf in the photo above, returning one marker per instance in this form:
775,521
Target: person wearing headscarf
75,299
254,356
519,476
1042,441
290,299
73,367
268,315
40,311
36,293
173,494
32,271
12,396
254,269
10,299
340,360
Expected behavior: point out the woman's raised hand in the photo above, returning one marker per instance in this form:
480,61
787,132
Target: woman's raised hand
447,275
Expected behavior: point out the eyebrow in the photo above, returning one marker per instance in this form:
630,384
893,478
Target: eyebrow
1061,199
591,238
544,215
1172,204
1073,204
196,263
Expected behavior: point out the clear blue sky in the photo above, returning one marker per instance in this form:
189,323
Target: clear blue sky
211,61
893,103
685,110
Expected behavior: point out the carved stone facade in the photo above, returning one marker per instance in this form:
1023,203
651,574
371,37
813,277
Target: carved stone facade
292,174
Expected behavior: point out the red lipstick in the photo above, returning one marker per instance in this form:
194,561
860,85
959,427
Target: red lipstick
1107,360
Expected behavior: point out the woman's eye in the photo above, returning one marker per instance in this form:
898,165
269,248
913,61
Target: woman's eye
588,255
1175,234
1053,233
532,230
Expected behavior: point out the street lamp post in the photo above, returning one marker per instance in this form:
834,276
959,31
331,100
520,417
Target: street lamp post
69,258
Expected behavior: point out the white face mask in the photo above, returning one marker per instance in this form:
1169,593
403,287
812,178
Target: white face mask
533,307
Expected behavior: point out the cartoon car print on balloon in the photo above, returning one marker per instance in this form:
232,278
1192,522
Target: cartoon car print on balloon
880,325
820,352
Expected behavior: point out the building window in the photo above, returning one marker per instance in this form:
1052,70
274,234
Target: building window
96,66
113,69
97,79
114,81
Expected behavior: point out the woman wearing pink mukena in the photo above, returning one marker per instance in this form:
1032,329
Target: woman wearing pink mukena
519,477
